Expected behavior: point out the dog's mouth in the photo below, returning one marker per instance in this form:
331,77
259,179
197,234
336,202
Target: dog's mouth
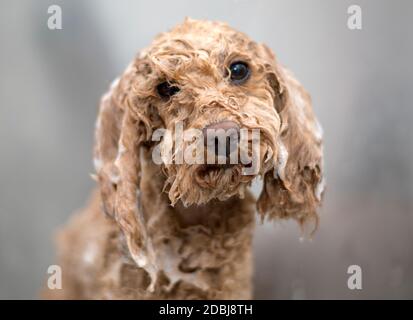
226,167
199,183
212,175
214,169
209,175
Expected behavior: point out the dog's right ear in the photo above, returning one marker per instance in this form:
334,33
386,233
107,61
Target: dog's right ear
123,126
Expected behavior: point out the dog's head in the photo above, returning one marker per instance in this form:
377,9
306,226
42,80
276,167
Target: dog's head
206,77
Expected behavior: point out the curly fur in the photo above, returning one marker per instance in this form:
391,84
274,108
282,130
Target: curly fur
179,230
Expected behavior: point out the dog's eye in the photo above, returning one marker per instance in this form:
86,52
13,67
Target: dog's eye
239,72
165,89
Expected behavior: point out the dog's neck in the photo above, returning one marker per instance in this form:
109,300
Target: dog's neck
198,243
205,213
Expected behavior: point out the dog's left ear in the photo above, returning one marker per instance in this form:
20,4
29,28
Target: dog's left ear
294,188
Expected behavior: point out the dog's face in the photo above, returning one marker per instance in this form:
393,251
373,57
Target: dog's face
200,76
205,75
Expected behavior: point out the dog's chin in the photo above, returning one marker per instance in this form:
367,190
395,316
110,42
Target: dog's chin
199,184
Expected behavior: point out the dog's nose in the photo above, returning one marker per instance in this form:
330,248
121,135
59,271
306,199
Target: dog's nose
222,137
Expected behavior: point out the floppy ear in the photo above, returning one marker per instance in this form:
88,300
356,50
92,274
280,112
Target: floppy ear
122,127
294,188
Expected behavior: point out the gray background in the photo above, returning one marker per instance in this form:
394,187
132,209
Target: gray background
361,84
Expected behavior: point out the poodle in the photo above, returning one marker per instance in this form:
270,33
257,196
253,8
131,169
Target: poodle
183,230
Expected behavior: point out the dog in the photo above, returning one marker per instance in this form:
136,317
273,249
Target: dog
174,230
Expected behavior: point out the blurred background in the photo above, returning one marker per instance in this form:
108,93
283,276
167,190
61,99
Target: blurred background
361,85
